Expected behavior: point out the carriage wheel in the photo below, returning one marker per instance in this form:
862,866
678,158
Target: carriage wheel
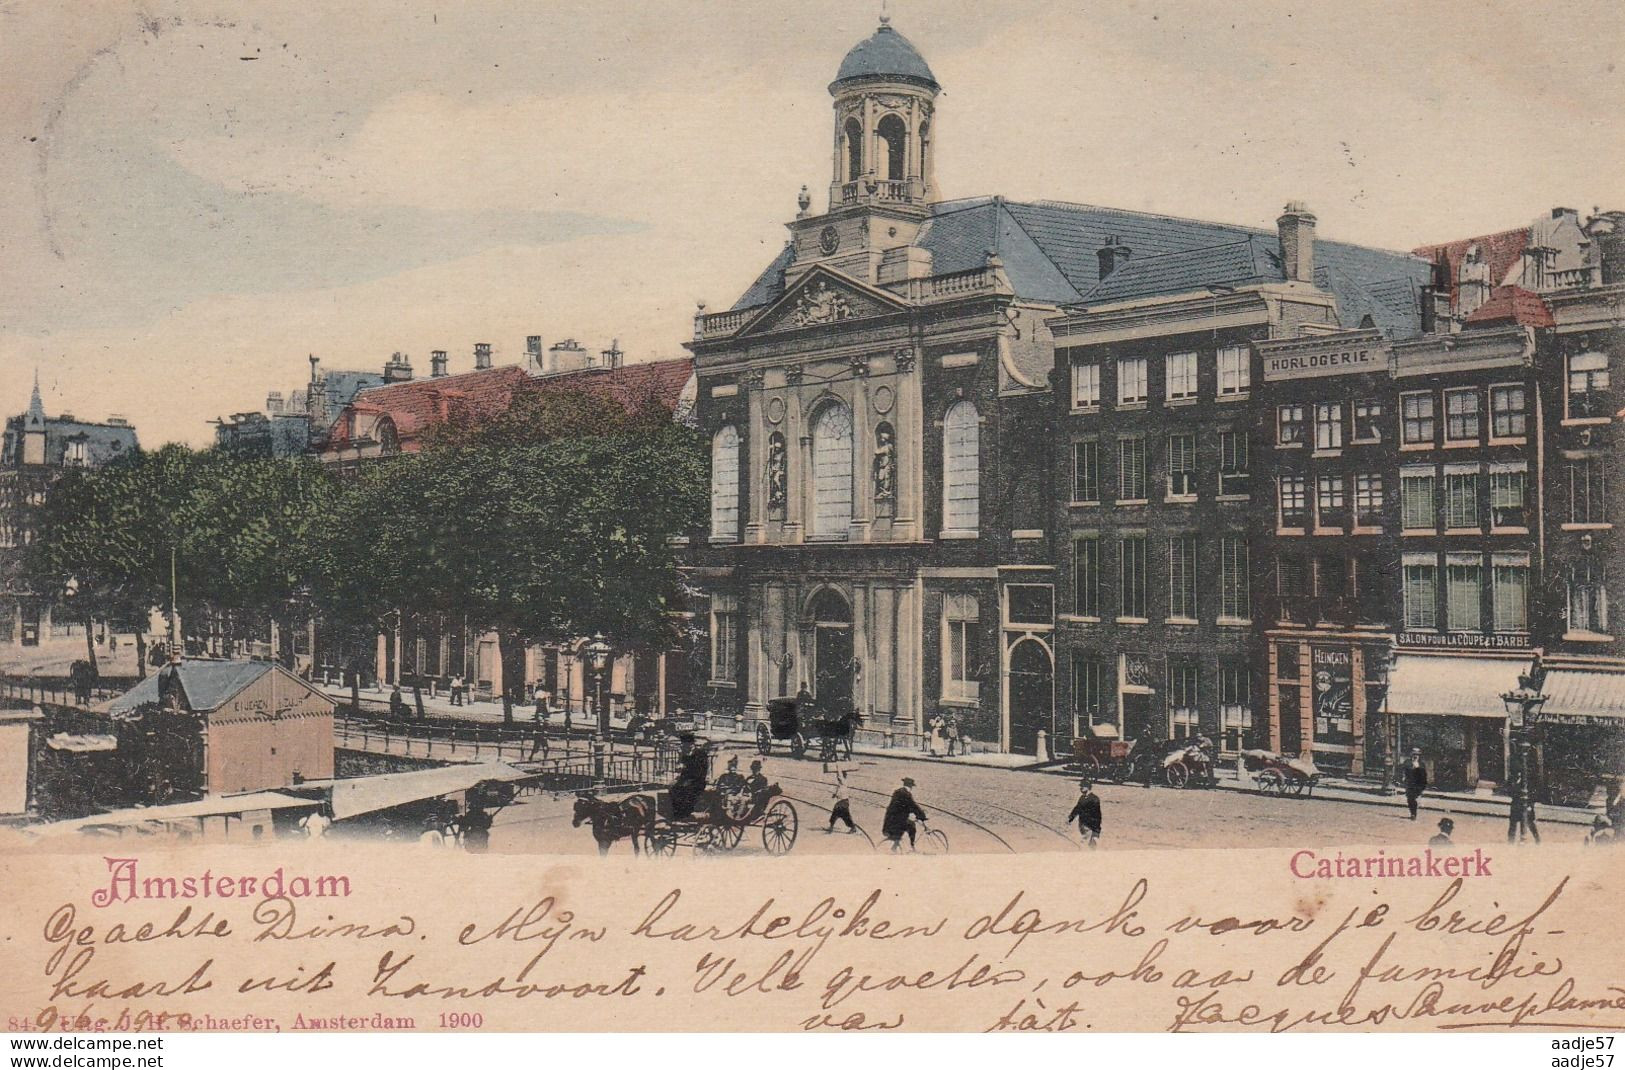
764,740
705,839
663,841
798,746
1177,775
779,826
728,836
1297,787
1269,780
1089,766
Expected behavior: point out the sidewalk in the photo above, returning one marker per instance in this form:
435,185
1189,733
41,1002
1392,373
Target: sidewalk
1336,789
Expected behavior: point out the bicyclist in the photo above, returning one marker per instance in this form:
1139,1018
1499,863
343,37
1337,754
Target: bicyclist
900,813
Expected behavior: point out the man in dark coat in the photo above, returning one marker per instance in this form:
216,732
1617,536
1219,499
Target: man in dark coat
693,767
1416,780
899,813
1086,812
397,704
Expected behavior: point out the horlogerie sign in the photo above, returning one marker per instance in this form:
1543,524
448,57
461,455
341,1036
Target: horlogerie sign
1308,365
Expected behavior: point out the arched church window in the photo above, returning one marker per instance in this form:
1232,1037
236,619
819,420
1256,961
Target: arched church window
961,472
925,150
854,150
832,471
725,483
893,134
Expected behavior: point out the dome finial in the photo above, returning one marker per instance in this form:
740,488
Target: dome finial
885,12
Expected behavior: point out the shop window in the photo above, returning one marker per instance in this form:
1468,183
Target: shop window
1235,704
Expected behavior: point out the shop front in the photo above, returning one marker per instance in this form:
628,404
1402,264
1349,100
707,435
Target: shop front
1449,707
1579,730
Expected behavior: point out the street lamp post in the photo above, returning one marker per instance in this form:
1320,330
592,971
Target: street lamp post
596,658
1522,705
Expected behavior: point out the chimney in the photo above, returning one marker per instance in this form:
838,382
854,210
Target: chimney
399,368
116,420
1113,255
437,364
482,356
612,356
1607,230
273,403
1297,230
533,354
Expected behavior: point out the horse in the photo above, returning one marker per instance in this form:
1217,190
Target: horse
621,819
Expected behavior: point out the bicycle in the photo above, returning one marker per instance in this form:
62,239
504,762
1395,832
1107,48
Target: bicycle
930,841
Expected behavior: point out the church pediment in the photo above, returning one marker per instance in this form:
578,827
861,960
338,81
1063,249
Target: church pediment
820,299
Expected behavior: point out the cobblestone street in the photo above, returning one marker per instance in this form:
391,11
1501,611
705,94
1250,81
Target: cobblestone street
995,810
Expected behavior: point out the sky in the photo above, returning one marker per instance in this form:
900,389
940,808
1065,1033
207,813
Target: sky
200,194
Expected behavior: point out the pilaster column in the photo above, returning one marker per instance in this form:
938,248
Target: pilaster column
863,450
910,437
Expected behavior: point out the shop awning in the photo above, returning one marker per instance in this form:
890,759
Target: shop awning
1583,697
198,809
364,795
1423,685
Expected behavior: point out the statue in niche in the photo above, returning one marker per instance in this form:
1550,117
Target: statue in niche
885,464
778,490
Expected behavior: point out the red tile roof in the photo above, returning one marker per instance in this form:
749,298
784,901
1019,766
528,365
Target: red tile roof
1511,304
420,404
1502,251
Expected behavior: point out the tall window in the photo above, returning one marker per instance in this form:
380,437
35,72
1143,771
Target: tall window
1089,693
1182,577
1131,470
725,483
1507,494
1086,576
1180,380
1294,502
1235,371
892,135
1588,597
961,621
961,460
1181,466
1131,576
1367,420
1461,415
1588,500
1234,601
1235,703
1416,419
1289,425
1331,503
1464,592
724,639
1421,592
1182,678
1416,500
1511,592
1131,381
1232,462
1368,501
832,472
1086,471
1329,425
1461,497
1588,385
1085,385
1509,415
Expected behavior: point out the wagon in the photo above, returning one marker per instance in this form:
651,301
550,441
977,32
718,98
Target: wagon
1281,775
797,723
1180,762
722,827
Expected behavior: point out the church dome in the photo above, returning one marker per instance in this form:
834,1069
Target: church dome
885,55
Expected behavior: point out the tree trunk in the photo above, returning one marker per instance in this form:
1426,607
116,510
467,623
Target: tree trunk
90,646
284,639
140,653
417,695
512,651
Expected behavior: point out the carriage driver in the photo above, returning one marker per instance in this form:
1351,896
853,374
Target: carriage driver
756,783
689,787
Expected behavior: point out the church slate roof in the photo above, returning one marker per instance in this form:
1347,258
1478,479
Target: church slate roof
1050,248
886,54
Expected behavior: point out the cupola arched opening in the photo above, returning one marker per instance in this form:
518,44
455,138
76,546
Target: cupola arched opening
852,144
892,134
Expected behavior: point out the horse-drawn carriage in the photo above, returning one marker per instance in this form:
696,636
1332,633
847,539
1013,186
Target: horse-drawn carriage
1280,774
718,823
798,722
1177,762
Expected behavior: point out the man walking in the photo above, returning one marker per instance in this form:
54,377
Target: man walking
1416,780
899,814
457,690
840,802
1086,812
